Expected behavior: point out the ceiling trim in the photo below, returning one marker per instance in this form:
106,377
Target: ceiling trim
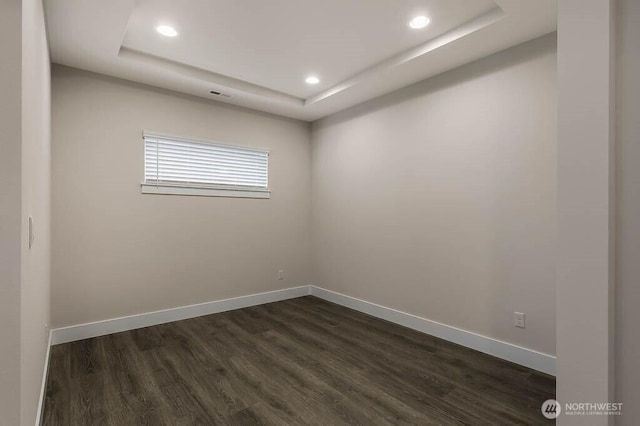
218,82
230,85
482,21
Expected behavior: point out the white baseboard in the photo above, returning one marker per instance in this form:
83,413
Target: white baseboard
508,351
116,325
43,386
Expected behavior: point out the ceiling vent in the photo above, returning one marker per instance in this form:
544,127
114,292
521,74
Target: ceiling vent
216,93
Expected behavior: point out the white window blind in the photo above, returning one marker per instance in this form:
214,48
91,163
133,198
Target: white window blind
174,162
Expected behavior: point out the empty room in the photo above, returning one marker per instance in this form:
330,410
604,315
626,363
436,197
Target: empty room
338,212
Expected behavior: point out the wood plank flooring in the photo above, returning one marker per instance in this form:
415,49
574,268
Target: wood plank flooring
299,362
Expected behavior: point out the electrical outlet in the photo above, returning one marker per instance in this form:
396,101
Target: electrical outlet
281,274
518,319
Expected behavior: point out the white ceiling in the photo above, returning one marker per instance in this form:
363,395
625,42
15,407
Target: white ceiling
276,44
259,52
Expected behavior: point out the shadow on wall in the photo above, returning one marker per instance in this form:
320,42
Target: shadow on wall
499,61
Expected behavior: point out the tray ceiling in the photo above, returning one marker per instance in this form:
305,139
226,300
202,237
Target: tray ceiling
257,53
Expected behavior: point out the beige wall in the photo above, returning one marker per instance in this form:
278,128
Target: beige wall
25,185
36,173
118,252
584,296
10,209
628,211
440,199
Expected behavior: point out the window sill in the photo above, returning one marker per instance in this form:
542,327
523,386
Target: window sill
203,192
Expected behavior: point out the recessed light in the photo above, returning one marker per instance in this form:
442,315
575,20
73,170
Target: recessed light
312,80
166,30
419,22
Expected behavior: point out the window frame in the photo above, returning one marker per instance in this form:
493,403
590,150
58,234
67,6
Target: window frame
196,189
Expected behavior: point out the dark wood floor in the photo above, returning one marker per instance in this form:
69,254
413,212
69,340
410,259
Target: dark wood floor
301,361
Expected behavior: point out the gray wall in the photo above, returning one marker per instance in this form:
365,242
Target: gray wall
584,285
628,210
25,188
119,252
36,189
10,209
440,199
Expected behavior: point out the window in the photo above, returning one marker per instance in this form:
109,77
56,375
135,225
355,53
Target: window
186,167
